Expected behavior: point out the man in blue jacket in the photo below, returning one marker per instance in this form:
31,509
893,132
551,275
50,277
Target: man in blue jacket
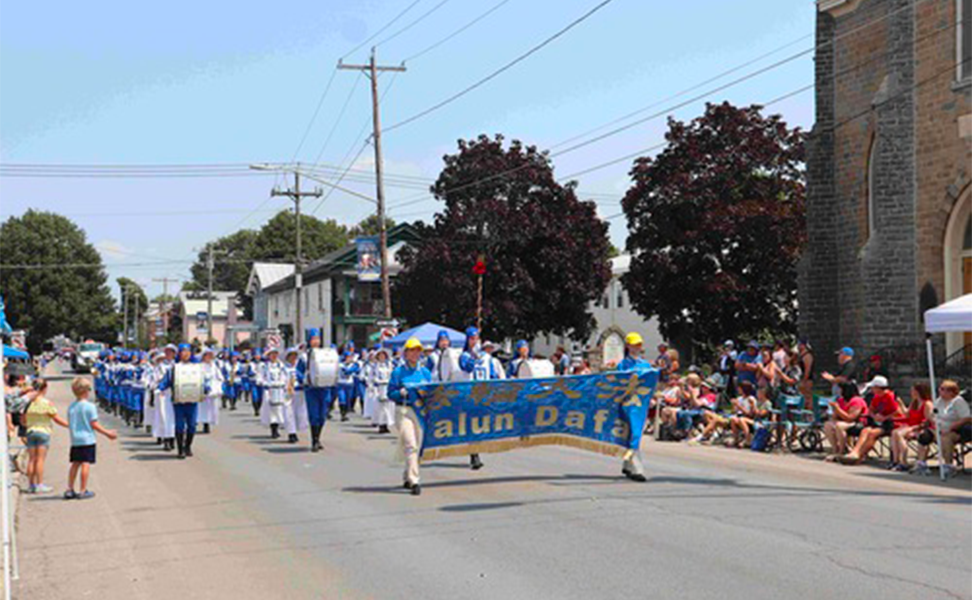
404,376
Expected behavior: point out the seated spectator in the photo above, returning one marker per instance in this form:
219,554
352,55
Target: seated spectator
916,420
694,403
672,398
845,413
744,424
715,422
955,422
879,422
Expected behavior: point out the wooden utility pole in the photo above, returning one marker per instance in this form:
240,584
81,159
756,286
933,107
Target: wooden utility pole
124,299
296,195
162,305
372,70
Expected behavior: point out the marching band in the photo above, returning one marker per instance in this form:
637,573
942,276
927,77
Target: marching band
171,389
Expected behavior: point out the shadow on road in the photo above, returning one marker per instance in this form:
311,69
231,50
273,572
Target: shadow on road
287,450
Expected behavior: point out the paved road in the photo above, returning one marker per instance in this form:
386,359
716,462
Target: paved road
252,518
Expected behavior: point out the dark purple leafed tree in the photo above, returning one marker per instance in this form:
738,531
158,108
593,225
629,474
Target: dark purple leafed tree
546,252
716,226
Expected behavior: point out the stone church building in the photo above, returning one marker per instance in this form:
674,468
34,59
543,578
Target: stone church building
888,172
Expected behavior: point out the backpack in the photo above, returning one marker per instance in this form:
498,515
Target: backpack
760,440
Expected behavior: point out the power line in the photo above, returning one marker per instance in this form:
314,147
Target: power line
340,116
382,30
425,197
456,32
421,18
501,70
310,124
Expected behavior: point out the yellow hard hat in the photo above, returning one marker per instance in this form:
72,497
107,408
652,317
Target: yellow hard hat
413,343
633,339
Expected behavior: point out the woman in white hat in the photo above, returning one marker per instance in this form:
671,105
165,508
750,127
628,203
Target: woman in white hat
381,375
273,378
213,387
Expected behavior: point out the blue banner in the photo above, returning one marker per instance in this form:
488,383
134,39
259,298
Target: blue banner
369,259
603,413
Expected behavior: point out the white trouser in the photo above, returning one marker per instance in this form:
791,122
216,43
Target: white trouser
409,434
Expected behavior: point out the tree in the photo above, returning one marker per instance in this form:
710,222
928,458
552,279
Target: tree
67,293
276,239
370,226
546,252
716,224
274,242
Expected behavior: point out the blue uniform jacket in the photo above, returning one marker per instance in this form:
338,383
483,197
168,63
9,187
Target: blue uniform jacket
405,376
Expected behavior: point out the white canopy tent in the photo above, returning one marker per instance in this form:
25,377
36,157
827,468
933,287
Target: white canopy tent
954,315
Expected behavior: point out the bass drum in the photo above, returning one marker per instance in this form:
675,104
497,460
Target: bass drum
187,383
324,365
535,368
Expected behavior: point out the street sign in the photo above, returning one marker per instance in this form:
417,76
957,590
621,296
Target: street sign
395,323
202,321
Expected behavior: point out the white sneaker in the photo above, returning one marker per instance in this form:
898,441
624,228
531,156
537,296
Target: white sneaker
43,489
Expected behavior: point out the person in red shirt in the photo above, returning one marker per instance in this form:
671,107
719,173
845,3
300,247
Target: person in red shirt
916,420
879,422
845,412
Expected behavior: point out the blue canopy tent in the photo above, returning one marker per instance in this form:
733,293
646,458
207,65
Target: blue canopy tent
427,334
11,352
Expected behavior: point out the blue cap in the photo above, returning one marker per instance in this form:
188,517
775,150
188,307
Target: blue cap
754,344
184,346
313,332
522,344
847,350
471,331
442,334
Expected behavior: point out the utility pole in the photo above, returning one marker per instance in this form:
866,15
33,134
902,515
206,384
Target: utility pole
162,305
372,70
296,195
124,298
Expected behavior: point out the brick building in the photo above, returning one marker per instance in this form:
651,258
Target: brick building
889,166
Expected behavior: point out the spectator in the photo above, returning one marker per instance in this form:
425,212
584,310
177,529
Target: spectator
846,412
674,365
726,366
915,422
715,422
83,420
767,372
779,354
846,373
792,375
955,423
579,366
663,363
561,361
39,416
807,368
747,365
744,424
16,398
692,405
879,422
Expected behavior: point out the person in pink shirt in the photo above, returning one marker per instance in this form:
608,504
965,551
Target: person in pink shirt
845,413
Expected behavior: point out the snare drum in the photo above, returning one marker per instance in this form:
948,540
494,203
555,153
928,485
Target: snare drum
534,368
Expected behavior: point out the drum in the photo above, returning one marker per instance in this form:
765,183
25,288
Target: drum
187,384
449,366
534,368
323,364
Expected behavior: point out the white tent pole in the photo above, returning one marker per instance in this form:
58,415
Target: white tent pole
934,388
5,492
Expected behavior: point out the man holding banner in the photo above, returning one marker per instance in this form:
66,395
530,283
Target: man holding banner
409,428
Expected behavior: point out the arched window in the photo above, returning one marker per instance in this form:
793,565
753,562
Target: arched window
870,205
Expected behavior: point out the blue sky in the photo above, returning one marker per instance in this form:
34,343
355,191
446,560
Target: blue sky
237,82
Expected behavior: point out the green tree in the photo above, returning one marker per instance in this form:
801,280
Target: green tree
369,226
235,254
545,251
64,291
276,240
716,224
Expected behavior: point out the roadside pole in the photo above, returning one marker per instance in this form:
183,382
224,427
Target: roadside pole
5,499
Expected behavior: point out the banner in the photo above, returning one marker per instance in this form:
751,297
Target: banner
603,413
369,259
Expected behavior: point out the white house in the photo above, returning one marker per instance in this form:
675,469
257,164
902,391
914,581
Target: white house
615,318
262,276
